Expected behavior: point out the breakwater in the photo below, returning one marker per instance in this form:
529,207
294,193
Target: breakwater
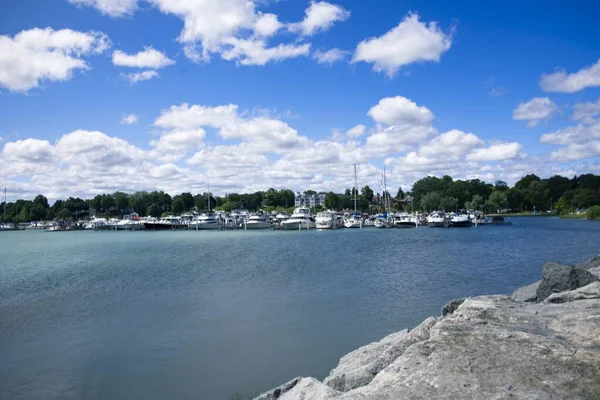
543,341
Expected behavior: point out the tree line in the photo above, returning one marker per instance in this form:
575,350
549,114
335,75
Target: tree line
558,193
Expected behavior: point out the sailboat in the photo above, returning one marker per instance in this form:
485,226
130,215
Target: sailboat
208,220
382,220
4,226
355,221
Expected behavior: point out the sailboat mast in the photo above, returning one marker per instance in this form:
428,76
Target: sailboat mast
4,217
208,197
385,200
355,189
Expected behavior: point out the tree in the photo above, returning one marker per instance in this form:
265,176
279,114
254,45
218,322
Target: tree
270,198
178,204
64,215
448,203
107,202
476,203
496,202
49,215
41,200
367,194
121,200
285,198
430,201
537,195
400,194
309,192
525,182
154,210
188,201
332,201
501,186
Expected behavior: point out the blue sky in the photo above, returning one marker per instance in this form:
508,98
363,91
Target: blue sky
440,88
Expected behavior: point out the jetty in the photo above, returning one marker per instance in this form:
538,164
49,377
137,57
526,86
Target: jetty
541,342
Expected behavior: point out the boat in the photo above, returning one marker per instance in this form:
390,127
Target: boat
163,224
406,221
4,226
95,223
129,225
478,218
355,221
328,220
437,219
458,220
381,221
301,218
258,221
206,221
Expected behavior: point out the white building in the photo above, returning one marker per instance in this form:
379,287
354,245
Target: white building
310,200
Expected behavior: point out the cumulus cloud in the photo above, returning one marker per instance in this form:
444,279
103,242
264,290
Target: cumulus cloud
330,56
112,8
319,17
29,150
586,112
400,110
135,77
409,42
148,58
535,110
266,25
256,51
453,142
129,119
563,82
356,131
37,55
496,152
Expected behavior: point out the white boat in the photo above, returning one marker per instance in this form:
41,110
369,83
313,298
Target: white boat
328,220
436,219
258,221
406,221
381,221
478,218
460,220
129,225
301,219
354,222
207,221
166,223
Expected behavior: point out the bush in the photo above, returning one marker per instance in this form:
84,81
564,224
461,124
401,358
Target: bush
593,212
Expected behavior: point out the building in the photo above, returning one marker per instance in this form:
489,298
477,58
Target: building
310,200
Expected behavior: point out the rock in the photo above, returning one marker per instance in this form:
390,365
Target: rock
451,306
595,271
591,291
309,389
558,278
279,391
358,368
526,293
589,264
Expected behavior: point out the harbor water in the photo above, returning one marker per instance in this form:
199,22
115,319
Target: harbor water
222,315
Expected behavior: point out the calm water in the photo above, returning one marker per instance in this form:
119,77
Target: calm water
206,315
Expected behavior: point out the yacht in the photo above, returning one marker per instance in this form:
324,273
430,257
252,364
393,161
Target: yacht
460,220
478,218
301,219
163,224
406,221
129,225
328,220
258,221
206,221
381,221
353,222
436,219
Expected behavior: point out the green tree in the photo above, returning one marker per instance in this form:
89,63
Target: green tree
41,200
430,201
496,202
593,212
538,195
400,194
448,203
178,204
285,198
121,200
332,201
154,210
49,215
476,203
525,182
367,194
107,202
64,215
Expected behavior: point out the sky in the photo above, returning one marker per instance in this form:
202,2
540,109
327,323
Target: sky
98,96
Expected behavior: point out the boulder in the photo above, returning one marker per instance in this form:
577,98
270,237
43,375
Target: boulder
558,278
276,393
451,306
526,293
309,389
358,368
589,264
591,291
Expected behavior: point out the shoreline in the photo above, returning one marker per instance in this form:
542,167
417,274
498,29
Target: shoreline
542,341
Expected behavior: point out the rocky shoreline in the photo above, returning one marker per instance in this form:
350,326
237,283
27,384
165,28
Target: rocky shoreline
542,342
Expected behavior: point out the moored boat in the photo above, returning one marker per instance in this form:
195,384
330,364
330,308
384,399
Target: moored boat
460,220
300,219
258,221
164,224
437,219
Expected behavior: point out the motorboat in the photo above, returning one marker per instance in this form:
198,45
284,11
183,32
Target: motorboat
129,225
207,221
328,220
478,218
258,221
381,221
436,219
301,218
353,222
163,224
460,220
406,221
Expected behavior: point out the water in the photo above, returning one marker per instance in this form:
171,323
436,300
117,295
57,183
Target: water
209,315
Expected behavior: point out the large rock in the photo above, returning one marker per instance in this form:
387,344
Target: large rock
526,293
558,278
300,389
489,348
589,264
358,368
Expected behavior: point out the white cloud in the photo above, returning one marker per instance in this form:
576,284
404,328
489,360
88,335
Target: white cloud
409,42
586,112
535,110
330,56
129,119
400,110
112,8
453,142
148,58
356,131
29,150
496,152
319,17
267,25
186,117
577,151
256,52
173,146
37,55
573,134
135,77
562,82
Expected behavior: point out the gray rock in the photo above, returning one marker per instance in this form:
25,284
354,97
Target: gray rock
279,391
451,306
589,264
526,293
358,368
558,278
591,291
595,271
488,348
